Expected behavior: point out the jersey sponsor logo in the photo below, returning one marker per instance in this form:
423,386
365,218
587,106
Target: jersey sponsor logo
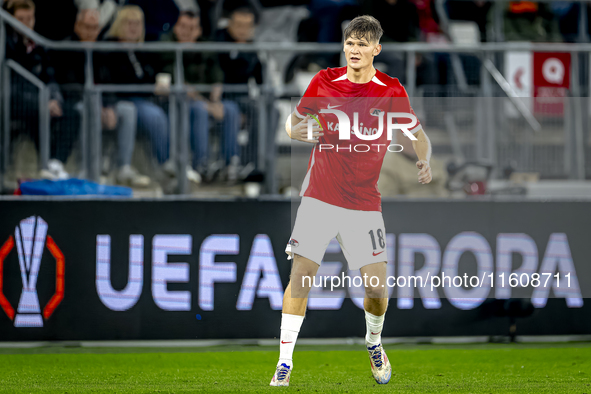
31,238
334,126
334,106
375,112
366,130
294,243
375,254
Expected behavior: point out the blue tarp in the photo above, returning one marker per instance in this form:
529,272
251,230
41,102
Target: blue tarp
72,187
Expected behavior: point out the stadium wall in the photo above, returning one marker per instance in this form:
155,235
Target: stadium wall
193,269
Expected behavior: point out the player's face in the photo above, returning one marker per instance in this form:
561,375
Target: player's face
360,52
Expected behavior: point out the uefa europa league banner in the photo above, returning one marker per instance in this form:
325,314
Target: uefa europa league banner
119,269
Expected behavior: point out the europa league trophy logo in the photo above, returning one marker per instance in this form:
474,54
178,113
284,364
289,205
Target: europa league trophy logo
30,241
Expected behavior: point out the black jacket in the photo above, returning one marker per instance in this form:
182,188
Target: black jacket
70,66
200,67
238,67
126,67
34,58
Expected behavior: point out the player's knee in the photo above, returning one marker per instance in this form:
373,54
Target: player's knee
300,282
375,292
302,275
303,267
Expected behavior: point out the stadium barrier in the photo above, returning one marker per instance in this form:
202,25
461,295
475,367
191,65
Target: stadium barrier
25,106
194,269
254,104
474,70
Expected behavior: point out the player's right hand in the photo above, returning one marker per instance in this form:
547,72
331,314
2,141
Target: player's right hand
300,131
425,175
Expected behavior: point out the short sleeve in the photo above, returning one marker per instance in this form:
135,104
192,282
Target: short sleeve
418,127
308,103
401,103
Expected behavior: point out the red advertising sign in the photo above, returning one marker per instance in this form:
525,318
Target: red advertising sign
551,82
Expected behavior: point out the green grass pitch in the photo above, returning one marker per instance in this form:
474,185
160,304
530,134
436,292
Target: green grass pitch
484,368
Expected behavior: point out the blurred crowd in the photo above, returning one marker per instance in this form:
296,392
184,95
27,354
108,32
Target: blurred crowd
128,115
406,21
133,114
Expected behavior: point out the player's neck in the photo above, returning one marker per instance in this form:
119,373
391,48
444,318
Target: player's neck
363,75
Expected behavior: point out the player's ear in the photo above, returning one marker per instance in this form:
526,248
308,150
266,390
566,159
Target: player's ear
377,50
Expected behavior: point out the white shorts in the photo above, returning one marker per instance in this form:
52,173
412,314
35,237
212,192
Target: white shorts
361,233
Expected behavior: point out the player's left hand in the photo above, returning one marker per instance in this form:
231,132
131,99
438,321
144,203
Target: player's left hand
425,172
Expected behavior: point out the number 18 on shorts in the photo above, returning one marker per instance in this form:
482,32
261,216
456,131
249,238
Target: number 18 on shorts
361,234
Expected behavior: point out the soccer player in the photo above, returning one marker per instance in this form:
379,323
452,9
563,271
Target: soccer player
339,194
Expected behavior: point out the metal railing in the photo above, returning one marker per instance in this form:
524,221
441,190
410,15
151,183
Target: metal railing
43,95
489,75
178,115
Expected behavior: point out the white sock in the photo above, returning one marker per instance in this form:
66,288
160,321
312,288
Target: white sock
290,328
374,326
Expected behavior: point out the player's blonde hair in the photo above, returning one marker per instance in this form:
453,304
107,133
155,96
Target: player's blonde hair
126,13
364,26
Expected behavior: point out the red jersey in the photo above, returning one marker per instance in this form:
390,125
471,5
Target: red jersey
347,174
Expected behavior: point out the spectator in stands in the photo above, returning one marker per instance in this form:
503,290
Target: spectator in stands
203,68
161,15
398,174
36,60
28,54
529,21
224,9
119,115
107,11
240,67
132,67
70,64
